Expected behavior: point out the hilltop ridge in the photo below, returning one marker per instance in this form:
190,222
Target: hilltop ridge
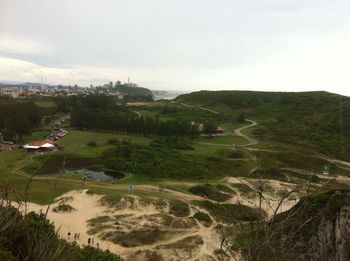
310,119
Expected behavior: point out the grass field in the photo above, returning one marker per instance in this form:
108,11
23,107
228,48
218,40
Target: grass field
37,135
226,140
229,128
77,140
45,102
8,158
206,150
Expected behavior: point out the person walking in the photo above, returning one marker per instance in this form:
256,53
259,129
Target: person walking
97,245
89,240
68,235
84,180
92,241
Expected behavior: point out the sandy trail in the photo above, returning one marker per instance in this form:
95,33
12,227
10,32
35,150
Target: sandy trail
270,202
176,194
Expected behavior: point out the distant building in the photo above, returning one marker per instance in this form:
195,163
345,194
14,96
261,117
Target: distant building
40,145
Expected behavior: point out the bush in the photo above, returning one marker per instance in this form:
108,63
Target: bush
243,188
112,141
203,218
92,143
229,213
179,208
63,208
210,192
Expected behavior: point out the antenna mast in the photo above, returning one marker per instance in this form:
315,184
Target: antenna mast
341,123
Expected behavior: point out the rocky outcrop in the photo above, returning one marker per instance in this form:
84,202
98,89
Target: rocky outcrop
332,242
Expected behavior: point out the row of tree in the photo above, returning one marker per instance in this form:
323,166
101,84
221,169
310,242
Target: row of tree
101,112
129,122
18,118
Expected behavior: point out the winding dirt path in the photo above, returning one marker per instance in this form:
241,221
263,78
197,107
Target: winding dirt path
238,132
199,107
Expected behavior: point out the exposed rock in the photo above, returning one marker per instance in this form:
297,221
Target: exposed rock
332,242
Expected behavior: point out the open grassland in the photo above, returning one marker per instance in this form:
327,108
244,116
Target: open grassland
36,135
229,127
225,140
44,102
9,159
77,139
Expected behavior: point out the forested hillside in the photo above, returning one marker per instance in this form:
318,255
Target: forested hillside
134,91
310,119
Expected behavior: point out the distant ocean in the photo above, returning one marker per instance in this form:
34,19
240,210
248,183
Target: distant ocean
166,95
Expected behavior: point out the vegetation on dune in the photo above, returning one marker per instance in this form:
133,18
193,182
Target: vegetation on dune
304,232
203,218
242,188
179,208
63,208
135,238
210,192
230,213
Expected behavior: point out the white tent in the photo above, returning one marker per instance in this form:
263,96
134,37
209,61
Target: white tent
47,146
30,147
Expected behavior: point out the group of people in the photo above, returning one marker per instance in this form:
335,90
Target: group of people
76,236
91,242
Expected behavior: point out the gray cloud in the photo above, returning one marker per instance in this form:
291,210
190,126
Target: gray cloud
182,44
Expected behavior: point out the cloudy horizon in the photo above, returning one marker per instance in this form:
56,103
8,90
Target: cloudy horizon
184,45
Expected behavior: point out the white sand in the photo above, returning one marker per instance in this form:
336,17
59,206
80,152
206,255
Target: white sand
88,206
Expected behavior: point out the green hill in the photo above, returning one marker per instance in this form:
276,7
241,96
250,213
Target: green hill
134,91
309,119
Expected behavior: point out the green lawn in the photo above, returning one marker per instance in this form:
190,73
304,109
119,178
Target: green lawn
45,103
229,128
40,191
206,150
8,156
226,140
36,135
77,140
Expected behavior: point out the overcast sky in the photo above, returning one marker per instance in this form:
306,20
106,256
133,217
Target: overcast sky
279,45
